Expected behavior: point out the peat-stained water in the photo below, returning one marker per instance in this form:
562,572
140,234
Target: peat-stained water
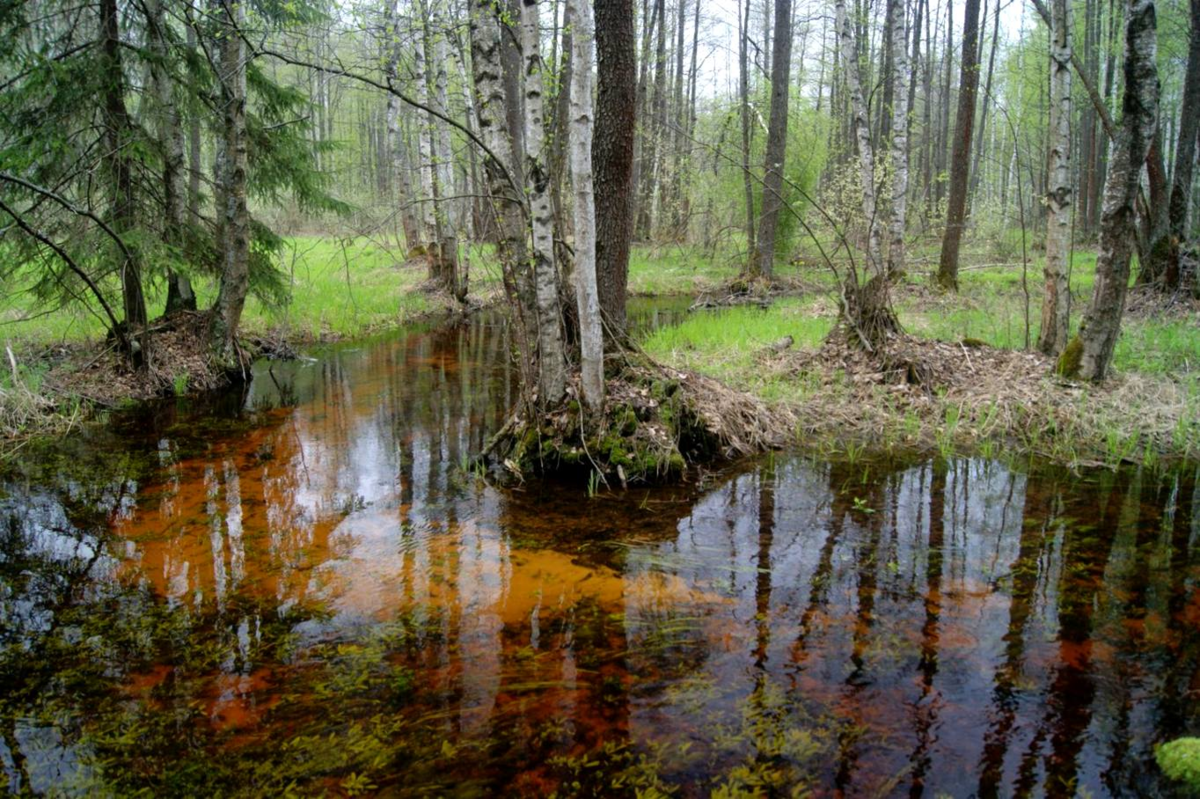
301,589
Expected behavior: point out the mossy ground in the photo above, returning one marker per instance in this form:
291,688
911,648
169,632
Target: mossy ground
655,423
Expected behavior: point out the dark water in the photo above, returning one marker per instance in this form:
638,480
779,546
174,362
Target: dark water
299,590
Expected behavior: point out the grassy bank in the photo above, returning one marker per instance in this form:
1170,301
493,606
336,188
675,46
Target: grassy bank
992,398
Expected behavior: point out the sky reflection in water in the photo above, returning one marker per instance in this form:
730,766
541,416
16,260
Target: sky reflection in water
302,587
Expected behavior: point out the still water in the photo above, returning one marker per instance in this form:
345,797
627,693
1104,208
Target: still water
298,589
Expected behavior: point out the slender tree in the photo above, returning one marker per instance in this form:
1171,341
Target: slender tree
1056,302
901,77
119,137
1089,354
763,259
170,140
862,135
551,355
960,160
234,217
1161,265
591,337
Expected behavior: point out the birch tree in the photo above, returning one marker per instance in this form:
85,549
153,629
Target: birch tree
1089,355
862,135
1056,302
900,95
490,78
551,355
591,337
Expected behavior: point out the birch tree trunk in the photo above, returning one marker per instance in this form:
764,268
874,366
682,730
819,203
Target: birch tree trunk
234,216
591,335
1056,303
862,135
398,164
551,355
900,97
762,261
444,258
1089,354
170,138
504,187
425,134
744,95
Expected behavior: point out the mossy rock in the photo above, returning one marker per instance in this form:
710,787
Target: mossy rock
1180,762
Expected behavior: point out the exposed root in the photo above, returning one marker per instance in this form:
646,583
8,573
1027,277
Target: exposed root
655,423
867,314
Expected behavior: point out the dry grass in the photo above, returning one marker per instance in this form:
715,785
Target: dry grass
956,396
177,360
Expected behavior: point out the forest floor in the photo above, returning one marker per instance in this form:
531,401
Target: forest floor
981,390
985,395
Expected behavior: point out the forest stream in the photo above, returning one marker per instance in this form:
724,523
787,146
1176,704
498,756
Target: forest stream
302,587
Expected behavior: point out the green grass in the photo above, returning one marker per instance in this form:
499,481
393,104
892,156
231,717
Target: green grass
727,343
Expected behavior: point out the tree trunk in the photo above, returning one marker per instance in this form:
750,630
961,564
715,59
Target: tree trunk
118,132
398,163
862,135
1089,355
233,214
443,256
551,356
976,171
944,128
762,261
591,336
744,98
425,136
1056,304
505,188
612,156
195,167
960,160
899,131
1162,267
170,139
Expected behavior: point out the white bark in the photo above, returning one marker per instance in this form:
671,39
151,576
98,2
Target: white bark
901,77
591,334
1056,303
498,164
551,357
425,136
862,135
398,159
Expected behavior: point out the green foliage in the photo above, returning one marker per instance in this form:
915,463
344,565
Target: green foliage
1180,761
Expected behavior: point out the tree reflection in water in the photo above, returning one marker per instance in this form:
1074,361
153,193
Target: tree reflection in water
301,588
